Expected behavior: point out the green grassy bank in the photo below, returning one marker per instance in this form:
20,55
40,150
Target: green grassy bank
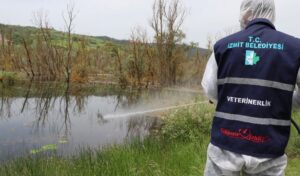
178,148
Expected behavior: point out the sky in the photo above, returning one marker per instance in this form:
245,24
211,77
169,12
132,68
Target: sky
117,18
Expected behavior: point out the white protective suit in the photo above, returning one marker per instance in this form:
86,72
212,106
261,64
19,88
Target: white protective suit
222,162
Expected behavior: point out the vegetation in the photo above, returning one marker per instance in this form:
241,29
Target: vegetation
177,148
293,149
43,53
8,77
294,142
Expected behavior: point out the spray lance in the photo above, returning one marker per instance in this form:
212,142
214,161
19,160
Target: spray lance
296,125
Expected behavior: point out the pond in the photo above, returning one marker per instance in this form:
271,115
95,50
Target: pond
53,117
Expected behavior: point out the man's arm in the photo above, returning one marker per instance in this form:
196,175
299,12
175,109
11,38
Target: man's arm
209,80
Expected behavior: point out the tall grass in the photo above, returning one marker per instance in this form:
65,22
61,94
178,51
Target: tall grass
178,148
293,150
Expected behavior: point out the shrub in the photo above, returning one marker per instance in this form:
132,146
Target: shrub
188,124
8,77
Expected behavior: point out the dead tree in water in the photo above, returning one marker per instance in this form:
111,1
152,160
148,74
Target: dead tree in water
138,50
167,21
81,61
69,25
46,53
8,51
29,57
157,24
117,54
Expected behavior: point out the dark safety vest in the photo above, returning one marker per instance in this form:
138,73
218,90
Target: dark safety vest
257,72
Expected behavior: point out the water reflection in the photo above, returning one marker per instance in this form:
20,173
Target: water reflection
37,114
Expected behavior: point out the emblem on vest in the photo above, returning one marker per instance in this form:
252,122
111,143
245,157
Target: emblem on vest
251,58
244,134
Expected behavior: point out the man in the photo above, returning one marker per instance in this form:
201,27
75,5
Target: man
251,76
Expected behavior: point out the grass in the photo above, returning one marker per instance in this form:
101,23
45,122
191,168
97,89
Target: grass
293,150
178,148
147,158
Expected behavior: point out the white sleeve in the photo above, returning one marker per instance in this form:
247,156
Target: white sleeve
296,95
209,80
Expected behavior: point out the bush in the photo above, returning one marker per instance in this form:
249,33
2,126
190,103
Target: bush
8,77
188,124
79,75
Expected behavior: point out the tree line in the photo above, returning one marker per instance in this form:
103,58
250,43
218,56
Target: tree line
161,60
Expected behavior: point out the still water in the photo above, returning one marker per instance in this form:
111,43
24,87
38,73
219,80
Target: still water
51,117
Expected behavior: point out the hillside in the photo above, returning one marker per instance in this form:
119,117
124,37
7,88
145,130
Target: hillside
60,37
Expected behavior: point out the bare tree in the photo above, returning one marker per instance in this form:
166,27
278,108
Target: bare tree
29,57
69,18
138,49
157,25
167,21
116,53
7,50
47,54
